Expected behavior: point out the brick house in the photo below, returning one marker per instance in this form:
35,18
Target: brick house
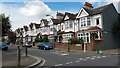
95,26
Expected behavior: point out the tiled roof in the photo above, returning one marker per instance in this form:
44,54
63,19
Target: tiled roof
70,15
37,26
93,28
25,28
96,10
45,22
63,32
39,34
56,21
90,28
59,14
31,25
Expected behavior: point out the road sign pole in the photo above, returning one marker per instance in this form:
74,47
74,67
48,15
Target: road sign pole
18,56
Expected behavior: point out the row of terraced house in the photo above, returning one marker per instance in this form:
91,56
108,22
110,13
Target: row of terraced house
93,25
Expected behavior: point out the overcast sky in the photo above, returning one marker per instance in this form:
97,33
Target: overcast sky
23,12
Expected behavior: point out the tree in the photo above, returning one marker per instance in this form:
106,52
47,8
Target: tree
11,37
5,24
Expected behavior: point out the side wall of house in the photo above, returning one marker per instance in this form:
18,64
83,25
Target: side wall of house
109,18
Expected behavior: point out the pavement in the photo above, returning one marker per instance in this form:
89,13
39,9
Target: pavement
111,51
11,62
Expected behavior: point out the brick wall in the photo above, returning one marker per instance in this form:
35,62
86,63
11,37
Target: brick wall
65,46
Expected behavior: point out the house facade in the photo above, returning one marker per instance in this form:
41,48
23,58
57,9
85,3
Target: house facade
93,25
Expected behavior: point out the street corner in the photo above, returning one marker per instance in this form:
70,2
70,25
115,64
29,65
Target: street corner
38,61
12,61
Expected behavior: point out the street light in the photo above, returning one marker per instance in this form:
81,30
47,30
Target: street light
84,40
54,31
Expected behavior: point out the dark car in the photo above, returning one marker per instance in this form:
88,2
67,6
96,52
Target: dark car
3,46
45,46
27,44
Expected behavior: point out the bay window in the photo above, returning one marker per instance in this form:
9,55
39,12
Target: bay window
88,21
85,37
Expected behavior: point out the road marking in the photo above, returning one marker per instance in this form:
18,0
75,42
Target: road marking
64,54
84,59
54,52
77,61
87,57
69,62
81,58
59,65
104,56
43,62
98,57
92,58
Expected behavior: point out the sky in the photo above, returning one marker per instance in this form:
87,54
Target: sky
23,12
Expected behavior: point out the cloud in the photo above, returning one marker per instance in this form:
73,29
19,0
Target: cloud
34,8
29,12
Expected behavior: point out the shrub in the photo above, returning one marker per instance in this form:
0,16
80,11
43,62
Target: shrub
45,39
37,39
75,41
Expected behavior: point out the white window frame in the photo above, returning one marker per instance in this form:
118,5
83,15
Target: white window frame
88,20
96,20
81,35
83,21
70,24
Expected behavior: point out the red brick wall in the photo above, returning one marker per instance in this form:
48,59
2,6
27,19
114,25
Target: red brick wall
65,46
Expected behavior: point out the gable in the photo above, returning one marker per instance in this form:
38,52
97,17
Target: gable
82,13
50,22
66,17
42,24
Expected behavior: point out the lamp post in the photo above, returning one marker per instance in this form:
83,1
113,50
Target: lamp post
84,40
54,31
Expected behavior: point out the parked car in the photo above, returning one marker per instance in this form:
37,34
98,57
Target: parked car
3,46
27,44
45,46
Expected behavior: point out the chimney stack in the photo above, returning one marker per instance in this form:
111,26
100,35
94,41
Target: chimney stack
88,5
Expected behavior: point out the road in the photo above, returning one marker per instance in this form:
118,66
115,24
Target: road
61,58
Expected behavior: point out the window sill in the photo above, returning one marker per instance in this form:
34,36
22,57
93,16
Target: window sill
97,39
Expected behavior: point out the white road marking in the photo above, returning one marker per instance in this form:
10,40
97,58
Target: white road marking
77,61
81,58
59,65
92,58
87,57
98,57
42,62
69,62
64,54
104,56
54,52
84,59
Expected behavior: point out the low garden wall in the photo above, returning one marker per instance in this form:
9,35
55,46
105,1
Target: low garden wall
65,46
